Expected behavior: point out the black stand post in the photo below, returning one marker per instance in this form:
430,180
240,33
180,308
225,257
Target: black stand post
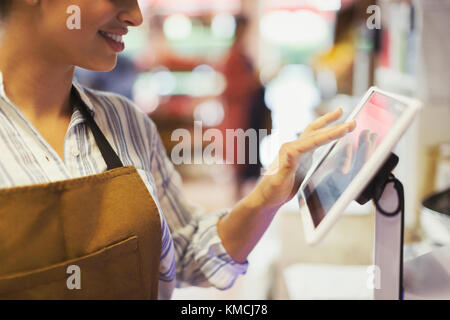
386,191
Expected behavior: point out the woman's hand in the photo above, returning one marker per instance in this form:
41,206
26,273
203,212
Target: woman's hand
280,183
241,230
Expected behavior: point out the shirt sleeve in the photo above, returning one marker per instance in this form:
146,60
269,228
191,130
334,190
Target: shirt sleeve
201,259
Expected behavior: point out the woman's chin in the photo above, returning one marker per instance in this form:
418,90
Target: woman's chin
103,65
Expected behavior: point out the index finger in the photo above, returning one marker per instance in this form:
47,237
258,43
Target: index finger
324,136
324,120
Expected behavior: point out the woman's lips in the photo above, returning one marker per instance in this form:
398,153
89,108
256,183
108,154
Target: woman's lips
115,41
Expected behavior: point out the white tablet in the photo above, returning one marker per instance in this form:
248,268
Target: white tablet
346,166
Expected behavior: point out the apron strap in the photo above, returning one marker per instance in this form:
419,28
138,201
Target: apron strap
109,155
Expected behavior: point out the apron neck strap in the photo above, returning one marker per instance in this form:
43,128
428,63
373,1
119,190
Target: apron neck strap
109,155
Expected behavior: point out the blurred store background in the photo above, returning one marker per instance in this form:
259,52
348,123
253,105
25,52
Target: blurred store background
279,64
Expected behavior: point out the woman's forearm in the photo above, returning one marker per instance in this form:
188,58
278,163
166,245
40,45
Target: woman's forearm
241,230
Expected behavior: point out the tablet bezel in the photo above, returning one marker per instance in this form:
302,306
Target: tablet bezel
314,234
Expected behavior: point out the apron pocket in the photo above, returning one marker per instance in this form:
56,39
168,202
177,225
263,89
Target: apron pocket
113,272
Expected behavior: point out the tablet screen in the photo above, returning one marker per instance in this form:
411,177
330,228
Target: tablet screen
346,158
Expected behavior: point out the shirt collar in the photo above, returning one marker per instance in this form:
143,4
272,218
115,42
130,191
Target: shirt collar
2,88
84,97
78,87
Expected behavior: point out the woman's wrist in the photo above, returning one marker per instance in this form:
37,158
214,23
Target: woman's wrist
256,203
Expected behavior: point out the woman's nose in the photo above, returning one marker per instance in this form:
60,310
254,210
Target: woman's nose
131,14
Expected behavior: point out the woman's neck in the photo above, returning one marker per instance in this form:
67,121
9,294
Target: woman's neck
37,84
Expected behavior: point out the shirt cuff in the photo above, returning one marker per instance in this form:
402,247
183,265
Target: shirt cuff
219,268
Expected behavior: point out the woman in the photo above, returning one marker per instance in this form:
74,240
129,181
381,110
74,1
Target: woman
71,199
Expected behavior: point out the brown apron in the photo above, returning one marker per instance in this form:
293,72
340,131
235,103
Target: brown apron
106,225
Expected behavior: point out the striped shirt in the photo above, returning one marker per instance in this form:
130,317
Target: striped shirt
192,253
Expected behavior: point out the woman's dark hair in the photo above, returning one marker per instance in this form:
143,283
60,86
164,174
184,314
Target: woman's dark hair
4,7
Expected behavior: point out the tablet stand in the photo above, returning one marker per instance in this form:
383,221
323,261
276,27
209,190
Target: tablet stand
386,191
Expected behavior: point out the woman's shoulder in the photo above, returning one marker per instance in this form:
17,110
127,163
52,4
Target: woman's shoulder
115,103
108,99
116,111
